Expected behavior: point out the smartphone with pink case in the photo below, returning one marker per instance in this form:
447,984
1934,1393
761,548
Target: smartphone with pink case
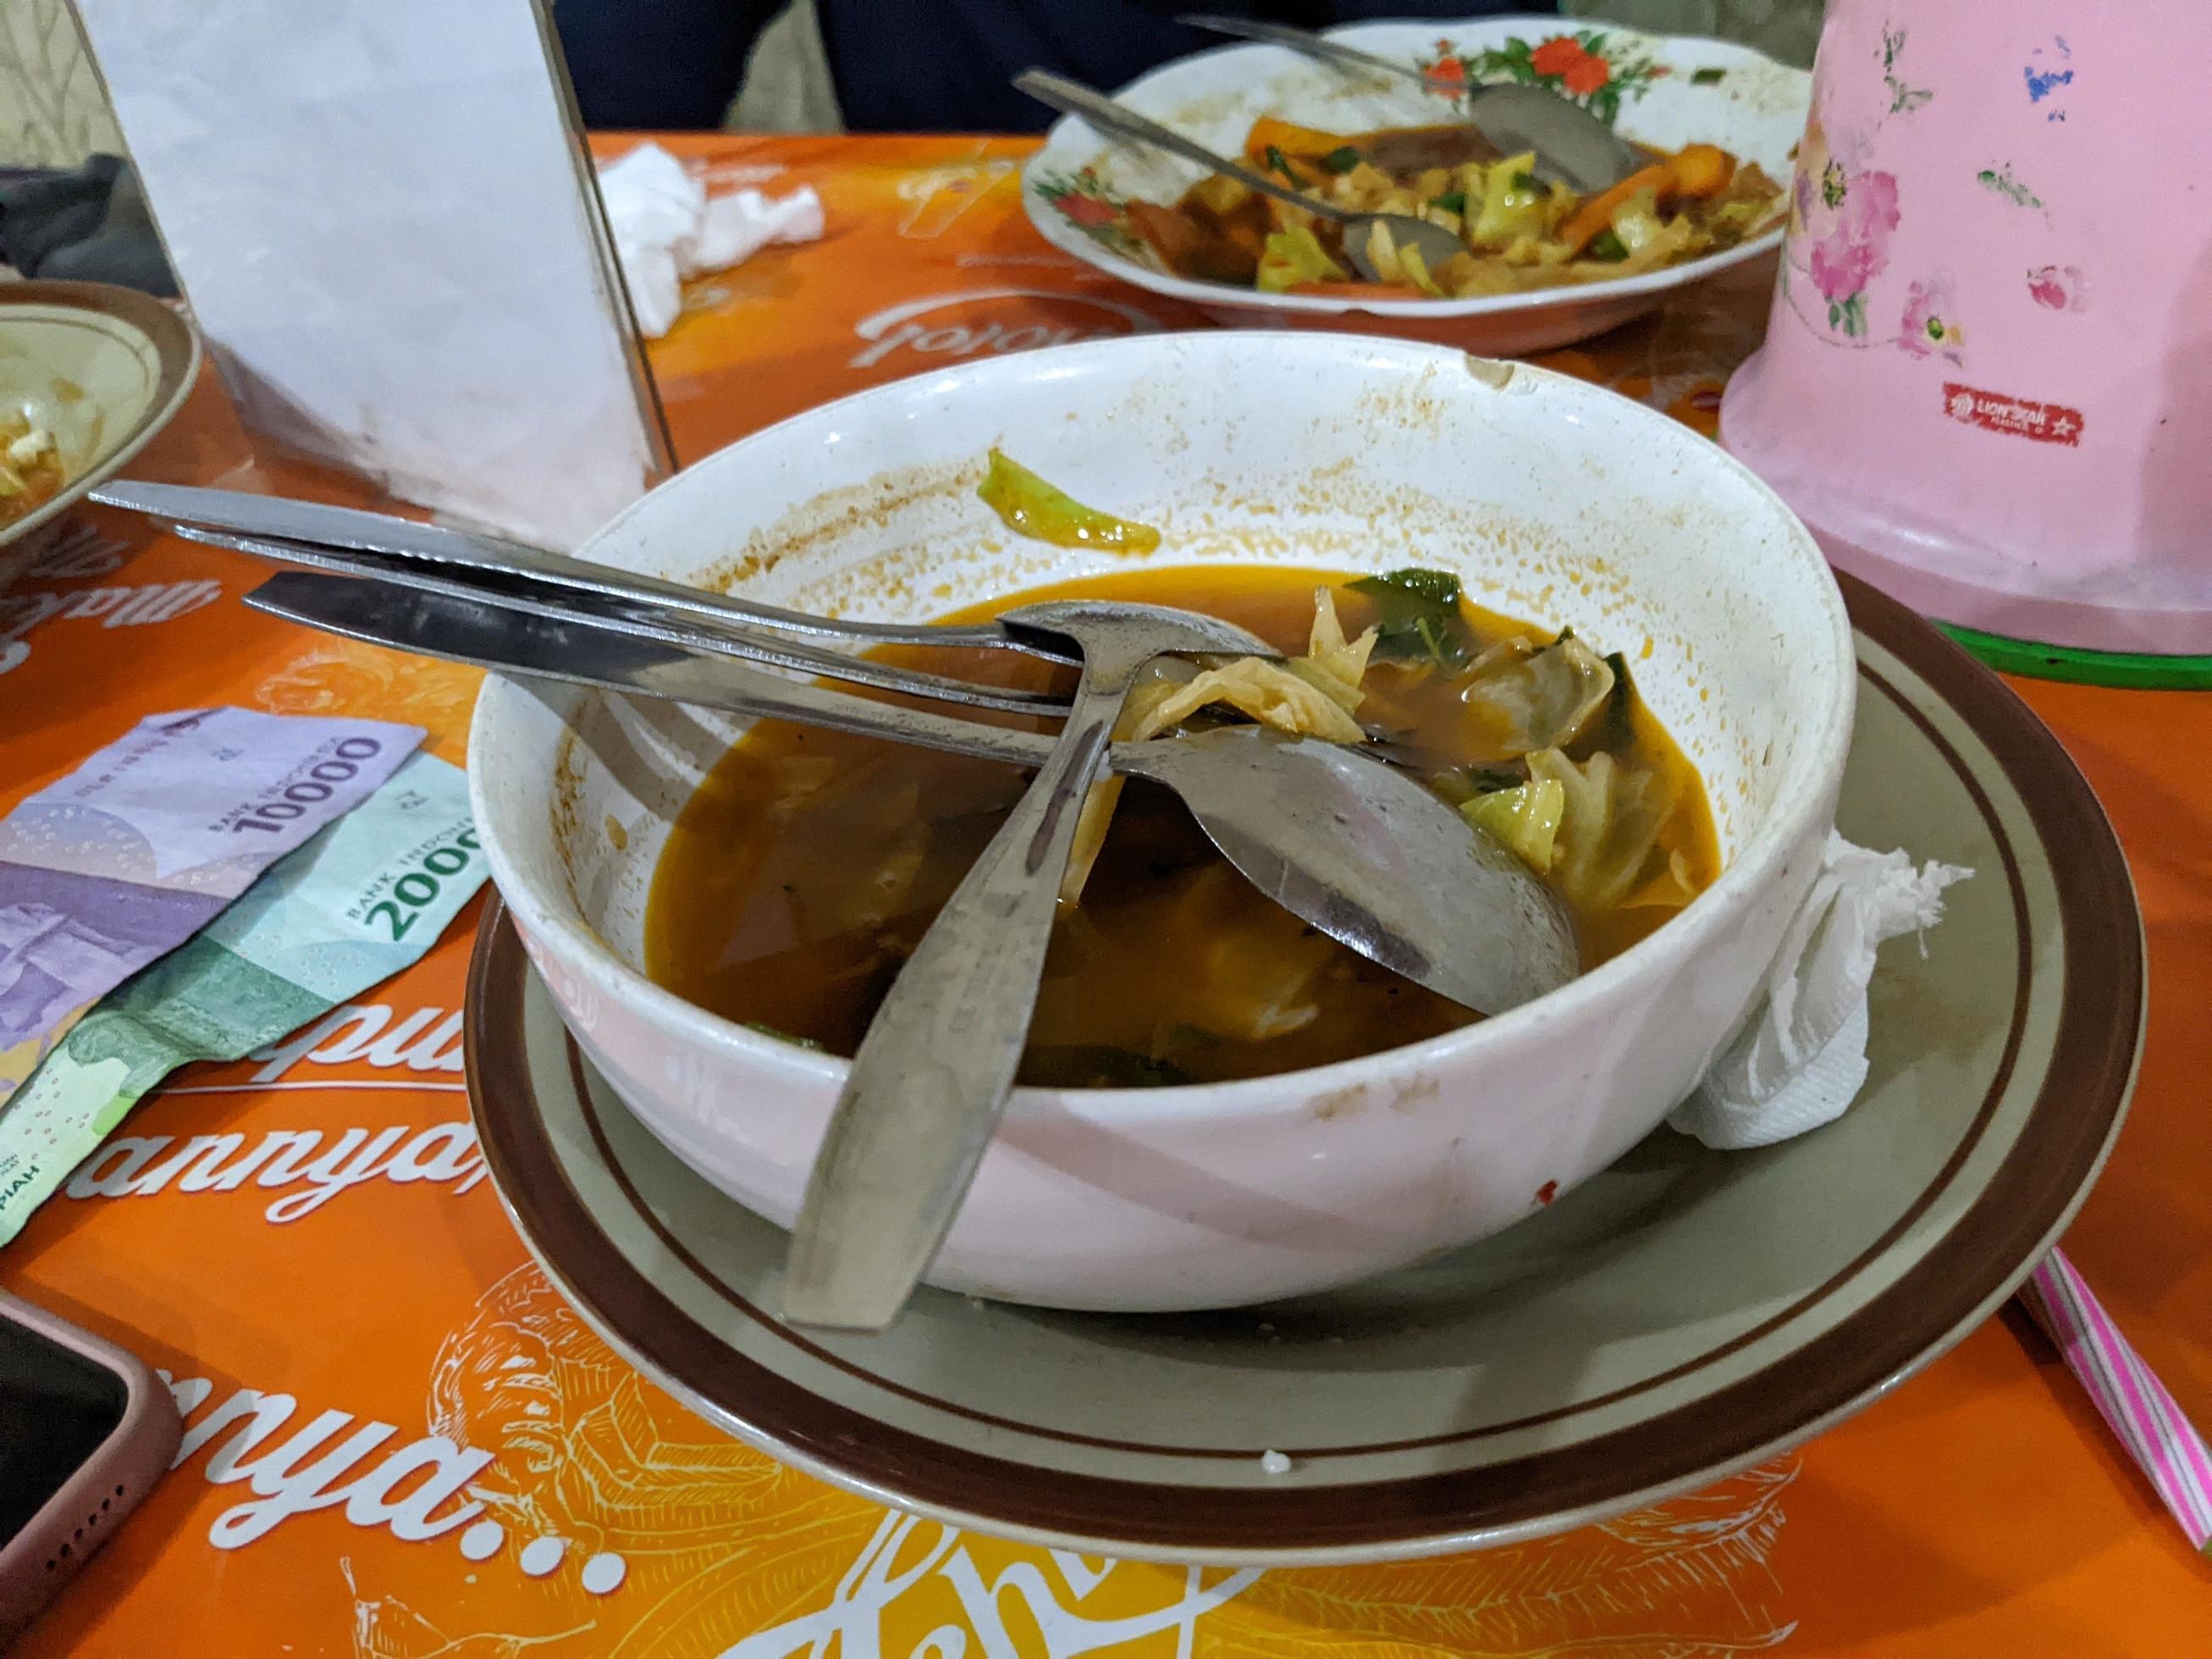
1987,379
85,1429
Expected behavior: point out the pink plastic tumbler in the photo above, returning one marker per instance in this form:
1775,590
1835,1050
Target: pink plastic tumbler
1987,380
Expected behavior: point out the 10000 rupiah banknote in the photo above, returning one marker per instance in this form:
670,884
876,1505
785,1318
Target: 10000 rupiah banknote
141,847
365,898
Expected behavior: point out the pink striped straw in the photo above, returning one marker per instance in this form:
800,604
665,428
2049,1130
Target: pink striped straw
2127,1395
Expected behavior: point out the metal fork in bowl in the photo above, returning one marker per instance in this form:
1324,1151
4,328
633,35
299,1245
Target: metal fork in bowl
283,519
642,618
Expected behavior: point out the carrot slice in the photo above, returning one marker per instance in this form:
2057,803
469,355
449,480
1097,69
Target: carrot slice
1701,169
1299,143
1595,213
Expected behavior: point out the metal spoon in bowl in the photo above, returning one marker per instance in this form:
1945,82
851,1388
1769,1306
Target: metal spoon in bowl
1571,144
931,1076
1434,243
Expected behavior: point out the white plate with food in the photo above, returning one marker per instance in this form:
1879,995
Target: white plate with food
1541,266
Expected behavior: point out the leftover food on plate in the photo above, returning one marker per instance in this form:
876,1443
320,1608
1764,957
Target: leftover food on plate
807,865
31,469
1517,232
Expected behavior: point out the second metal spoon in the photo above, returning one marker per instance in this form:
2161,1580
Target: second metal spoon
933,1072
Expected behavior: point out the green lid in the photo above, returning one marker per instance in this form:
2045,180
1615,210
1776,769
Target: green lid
2140,670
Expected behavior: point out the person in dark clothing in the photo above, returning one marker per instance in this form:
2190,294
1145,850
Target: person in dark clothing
911,65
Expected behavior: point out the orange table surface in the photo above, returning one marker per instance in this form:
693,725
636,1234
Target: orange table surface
1981,1508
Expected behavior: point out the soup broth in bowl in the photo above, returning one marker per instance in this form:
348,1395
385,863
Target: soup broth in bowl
805,870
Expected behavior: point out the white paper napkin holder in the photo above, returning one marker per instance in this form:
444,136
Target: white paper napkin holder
382,214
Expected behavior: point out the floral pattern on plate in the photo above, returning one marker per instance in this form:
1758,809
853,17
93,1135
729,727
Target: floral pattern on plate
1586,67
1092,206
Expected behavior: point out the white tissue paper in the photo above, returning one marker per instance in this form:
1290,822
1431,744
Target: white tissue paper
1802,1058
666,228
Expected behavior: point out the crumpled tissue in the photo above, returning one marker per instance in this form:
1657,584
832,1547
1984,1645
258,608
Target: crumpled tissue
666,228
1802,1058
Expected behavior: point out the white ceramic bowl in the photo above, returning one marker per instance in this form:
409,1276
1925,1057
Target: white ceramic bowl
1553,500
1747,104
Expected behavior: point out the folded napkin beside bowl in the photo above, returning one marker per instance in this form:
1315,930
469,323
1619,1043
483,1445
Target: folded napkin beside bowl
1802,1062
666,228
1802,1058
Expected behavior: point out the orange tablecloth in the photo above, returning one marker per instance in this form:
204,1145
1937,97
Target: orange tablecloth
1981,1509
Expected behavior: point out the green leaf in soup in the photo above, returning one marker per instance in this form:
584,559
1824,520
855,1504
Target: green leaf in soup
1452,201
1618,729
1147,1072
1608,246
1342,159
1179,1035
1417,616
1435,586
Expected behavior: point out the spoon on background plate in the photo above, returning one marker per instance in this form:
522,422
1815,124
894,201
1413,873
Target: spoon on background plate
1571,144
1434,243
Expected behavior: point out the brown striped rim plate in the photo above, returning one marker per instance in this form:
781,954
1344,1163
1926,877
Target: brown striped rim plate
1683,1316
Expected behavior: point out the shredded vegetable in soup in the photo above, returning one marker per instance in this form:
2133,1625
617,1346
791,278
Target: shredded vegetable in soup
1516,232
805,869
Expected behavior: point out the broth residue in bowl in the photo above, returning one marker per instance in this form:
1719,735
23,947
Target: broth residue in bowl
806,866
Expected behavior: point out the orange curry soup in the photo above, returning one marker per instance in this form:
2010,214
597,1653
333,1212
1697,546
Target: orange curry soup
803,871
